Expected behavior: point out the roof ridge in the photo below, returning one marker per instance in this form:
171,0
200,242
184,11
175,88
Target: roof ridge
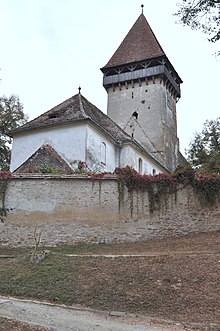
81,105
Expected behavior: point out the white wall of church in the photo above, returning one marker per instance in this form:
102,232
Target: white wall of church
68,141
131,157
100,152
80,143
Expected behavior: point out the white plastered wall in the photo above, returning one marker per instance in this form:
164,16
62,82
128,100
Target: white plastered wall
68,141
95,145
79,143
130,156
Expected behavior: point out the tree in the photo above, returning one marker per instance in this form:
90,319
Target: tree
201,14
11,116
204,151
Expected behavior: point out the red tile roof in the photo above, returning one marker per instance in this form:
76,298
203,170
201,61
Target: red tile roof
139,44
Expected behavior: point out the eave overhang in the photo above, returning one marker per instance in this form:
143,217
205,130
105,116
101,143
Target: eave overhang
142,71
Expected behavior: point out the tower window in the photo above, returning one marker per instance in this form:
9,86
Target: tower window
132,95
135,115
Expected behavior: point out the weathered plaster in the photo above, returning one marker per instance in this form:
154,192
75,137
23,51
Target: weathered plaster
94,158
73,209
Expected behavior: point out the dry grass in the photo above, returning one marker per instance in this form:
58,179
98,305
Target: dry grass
177,279
9,325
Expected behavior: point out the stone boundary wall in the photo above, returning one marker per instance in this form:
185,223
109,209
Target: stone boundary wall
72,209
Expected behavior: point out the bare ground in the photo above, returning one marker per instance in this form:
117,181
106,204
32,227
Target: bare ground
12,325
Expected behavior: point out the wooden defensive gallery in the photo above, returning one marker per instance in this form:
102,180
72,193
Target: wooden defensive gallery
139,130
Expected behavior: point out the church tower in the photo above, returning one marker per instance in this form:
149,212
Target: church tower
143,89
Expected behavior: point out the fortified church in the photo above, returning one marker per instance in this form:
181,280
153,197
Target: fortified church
139,130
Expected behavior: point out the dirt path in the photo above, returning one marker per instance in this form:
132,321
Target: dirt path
63,318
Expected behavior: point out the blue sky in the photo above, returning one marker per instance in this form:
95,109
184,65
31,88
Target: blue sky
50,47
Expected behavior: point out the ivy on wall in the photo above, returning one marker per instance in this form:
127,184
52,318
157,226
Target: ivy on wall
160,187
205,185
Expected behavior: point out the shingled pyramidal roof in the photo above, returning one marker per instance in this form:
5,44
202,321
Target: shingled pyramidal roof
77,108
140,49
140,43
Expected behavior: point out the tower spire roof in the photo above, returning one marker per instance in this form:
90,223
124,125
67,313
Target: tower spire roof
139,44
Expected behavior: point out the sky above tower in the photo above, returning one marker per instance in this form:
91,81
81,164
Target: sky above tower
50,47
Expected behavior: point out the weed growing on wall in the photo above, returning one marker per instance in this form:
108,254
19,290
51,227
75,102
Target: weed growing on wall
48,169
4,177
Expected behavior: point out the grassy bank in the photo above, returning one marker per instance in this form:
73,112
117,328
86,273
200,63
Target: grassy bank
177,279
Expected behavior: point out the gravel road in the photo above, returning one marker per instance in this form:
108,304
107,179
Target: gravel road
63,318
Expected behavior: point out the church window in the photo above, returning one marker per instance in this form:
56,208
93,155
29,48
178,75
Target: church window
154,172
103,153
132,95
140,165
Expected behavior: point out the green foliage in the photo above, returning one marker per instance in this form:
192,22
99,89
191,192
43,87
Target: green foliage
201,14
204,151
48,169
205,185
45,169
11,116
184,175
